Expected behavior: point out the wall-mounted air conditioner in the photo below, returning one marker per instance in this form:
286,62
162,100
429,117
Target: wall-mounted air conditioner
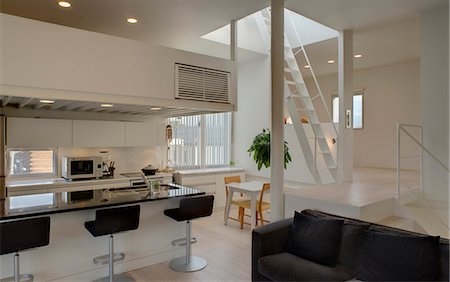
203,84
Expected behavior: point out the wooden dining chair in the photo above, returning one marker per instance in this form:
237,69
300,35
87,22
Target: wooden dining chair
236,202
261,206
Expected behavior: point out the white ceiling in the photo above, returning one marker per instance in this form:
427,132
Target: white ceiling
360,14
379,46
386,31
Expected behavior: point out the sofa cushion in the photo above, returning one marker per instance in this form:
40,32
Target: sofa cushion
289,267
397,257
350,250
444,258
350,246
315,239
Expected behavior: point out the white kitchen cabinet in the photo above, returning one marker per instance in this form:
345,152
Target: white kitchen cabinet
88,133
38,133
140,134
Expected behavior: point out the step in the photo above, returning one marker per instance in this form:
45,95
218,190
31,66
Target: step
428,220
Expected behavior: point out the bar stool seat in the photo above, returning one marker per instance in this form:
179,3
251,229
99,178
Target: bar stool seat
22,235
190,208
108,222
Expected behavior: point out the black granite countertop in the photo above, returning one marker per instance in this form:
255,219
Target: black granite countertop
116,197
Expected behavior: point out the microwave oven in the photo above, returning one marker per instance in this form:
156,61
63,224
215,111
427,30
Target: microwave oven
82,167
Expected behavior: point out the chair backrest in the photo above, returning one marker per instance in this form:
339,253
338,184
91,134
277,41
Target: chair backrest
196,207
119,219
230,179
265,189
24,234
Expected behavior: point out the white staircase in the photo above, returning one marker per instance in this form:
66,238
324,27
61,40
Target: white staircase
315,148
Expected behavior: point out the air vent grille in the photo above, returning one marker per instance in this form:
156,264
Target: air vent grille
196,83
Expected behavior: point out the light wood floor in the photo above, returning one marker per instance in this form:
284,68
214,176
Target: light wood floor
226,248
369,185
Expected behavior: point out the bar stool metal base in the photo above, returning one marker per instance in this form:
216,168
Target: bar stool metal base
22,278
179,264
117,278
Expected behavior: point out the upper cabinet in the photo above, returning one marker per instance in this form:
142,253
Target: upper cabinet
140,134
89,133
51,133
38,133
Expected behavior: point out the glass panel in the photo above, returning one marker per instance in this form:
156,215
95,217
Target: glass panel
28,201
188,150
29,162
335,109
184,150
81,167
217,135
357,111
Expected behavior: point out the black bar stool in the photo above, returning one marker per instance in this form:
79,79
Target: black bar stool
22,235
190,208
109,222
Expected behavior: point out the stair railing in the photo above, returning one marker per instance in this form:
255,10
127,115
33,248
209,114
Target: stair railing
313,75
403,128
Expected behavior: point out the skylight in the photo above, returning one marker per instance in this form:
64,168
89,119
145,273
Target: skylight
249,36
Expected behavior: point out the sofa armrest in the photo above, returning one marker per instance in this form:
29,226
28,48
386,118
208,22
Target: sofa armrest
267,240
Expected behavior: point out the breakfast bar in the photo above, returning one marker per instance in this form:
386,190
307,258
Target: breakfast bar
69,255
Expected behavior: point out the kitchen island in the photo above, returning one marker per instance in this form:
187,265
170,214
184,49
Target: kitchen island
69,255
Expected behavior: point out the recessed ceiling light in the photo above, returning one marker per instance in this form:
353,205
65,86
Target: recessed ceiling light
307,66
155,108
132,20
107,105
358,56
331,61
64,4
45,101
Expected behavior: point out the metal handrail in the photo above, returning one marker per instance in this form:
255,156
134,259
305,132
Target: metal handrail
402,128
316,82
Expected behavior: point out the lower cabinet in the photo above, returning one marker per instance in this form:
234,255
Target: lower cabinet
209,182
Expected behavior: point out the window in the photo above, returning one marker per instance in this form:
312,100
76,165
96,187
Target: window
358,113
31,162
201,141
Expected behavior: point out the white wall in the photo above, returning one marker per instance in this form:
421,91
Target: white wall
41,55
435,100
391,97
253,115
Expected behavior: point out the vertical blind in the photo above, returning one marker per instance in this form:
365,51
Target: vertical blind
200,141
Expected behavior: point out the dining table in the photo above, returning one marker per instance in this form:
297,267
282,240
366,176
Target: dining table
251,188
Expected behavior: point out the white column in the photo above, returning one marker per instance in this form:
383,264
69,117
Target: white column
234,55
345,82
277,126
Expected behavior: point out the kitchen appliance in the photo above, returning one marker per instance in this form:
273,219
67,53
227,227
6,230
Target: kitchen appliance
82,167
149,170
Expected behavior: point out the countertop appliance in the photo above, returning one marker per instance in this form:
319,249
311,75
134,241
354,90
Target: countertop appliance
82,167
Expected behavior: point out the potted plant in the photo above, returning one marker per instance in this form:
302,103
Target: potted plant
261,150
